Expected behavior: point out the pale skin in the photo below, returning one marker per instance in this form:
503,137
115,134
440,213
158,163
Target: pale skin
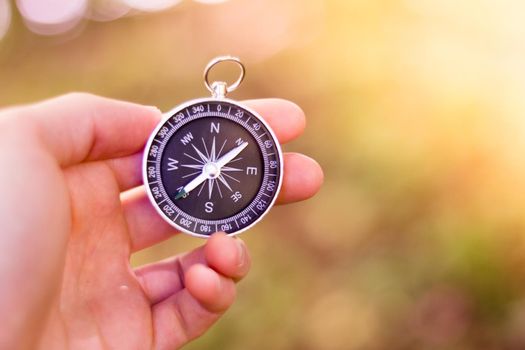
72,211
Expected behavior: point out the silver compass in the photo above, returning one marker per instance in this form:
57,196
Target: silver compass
213,164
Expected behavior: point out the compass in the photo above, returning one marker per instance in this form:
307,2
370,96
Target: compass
213,164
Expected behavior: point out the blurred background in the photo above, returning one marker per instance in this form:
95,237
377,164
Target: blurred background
415,110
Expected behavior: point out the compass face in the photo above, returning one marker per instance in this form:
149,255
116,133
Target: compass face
213,165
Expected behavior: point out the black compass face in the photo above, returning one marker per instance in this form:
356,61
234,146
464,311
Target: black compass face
212,166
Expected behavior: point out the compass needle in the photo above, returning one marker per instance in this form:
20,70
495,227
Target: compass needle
229,156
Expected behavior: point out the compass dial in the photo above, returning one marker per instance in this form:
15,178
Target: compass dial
212,165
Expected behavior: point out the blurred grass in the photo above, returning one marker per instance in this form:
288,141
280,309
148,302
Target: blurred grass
415,110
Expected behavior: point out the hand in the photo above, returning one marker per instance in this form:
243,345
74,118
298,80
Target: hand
71,215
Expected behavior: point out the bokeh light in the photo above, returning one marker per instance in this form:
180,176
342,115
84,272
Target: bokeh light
5,17
51,17
104,10
151,5
210,1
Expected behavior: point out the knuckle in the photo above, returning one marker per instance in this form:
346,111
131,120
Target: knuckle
17,121
77,96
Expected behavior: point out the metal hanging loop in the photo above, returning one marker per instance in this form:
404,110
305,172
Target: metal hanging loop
220,88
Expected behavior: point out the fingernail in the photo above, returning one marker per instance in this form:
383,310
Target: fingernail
240,251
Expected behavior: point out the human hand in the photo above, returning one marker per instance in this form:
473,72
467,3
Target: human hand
71,215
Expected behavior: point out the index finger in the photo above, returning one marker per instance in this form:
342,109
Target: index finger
286,119
81,127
